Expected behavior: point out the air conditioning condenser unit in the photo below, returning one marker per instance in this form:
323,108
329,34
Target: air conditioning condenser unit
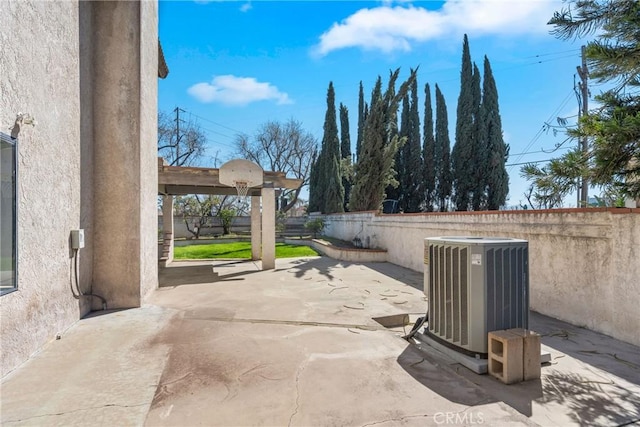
475,285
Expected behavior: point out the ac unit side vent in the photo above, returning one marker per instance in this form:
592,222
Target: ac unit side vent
506,285
464,296
448,301
455,299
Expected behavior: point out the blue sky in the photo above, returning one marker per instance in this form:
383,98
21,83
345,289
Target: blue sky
235,64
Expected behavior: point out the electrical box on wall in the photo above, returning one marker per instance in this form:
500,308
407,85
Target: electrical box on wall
77,239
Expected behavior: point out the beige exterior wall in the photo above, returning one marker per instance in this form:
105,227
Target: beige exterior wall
584,264
40,75
54,66
148,170
125,159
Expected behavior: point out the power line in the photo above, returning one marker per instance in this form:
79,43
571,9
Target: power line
553,53
216,123
216,132
553,150
529,163
542,129
498,69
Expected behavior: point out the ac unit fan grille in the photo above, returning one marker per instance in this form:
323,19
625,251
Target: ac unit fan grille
448,304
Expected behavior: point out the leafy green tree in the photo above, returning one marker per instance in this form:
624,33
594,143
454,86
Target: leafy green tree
315,226
462,154
442,164
226,219
428,152
196,211
613,159
497,152
380,143
554,181
345,151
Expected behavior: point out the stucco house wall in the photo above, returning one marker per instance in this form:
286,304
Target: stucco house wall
584,264
60,62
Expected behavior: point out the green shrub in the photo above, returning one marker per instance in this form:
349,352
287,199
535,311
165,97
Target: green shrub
315,226
226,217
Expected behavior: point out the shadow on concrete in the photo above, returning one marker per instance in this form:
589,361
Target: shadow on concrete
323,265
601,351
589,399
99,313
592,377
434,373
465,385
179,275
599,390
396,272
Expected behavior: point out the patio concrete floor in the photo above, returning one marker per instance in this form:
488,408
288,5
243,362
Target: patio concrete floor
298,346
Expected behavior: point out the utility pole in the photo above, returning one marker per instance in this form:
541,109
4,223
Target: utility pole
178,120
583,111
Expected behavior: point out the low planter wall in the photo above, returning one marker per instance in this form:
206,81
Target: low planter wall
342,254
584,264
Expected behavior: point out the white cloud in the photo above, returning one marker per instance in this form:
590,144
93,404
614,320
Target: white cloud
389,29
246,7
233,90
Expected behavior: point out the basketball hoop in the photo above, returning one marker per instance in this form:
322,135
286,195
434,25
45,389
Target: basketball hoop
241,174
242,187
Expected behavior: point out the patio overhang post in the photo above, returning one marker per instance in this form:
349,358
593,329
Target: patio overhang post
268,226
167,230
256,229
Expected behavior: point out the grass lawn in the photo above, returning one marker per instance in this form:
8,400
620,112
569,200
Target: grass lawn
237,250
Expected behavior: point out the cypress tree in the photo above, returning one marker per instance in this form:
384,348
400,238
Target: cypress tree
410,159
396,188
345,149
442,165
314,198
330,177
361,119
497,179
428,153
379,146
478,147
413,162
462,150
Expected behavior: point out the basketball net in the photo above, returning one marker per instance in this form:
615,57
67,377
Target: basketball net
242,187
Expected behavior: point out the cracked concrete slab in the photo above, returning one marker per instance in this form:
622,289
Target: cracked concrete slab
225,343
101,372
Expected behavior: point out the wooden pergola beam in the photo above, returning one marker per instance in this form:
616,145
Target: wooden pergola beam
181,180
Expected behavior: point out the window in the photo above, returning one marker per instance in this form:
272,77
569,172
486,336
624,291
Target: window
8,214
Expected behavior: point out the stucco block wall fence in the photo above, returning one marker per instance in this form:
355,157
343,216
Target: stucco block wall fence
584,264
239,224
